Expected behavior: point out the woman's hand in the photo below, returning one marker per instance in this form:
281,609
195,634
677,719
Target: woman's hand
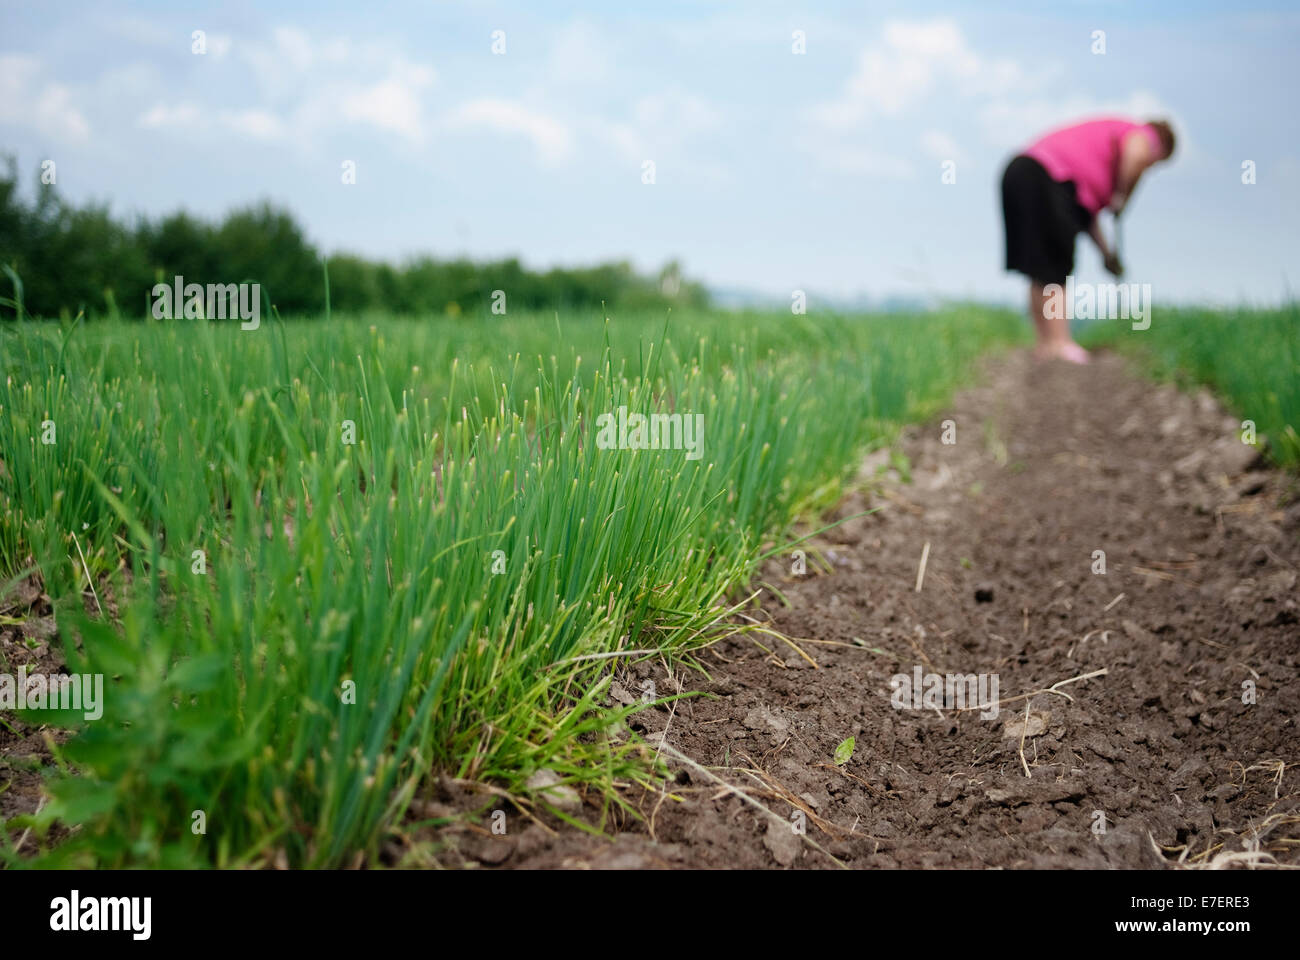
1108,256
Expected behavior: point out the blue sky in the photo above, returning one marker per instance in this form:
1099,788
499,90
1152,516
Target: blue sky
773,171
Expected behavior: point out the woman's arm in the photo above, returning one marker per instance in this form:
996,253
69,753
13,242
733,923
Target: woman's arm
1135,155
1108,256
1094,231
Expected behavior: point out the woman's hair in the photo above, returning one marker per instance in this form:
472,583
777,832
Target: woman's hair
1166,134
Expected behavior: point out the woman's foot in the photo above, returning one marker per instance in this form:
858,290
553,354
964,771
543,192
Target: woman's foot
1073,353
1067,350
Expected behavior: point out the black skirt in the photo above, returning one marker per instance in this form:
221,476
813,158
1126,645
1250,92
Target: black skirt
1042,217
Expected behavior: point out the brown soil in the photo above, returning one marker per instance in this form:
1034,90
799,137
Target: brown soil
24,752
1051,463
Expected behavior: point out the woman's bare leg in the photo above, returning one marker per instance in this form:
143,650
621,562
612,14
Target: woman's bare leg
1038,299
1047,308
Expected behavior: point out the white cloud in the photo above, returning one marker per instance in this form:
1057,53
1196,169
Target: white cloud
551,139
187,117
917,69
290,65
663,127
56,115
254,124
317,85
916,58
940,146
48,109
160,116
305,87
392,105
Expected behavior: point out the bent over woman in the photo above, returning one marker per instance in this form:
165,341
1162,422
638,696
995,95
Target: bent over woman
1053,190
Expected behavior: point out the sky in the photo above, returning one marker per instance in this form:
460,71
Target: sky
492,129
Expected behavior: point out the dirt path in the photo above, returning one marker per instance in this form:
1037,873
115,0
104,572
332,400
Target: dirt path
1049,465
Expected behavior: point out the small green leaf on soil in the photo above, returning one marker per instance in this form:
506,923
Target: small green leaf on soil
844,751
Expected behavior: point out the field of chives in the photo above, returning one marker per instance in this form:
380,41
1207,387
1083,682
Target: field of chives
323,562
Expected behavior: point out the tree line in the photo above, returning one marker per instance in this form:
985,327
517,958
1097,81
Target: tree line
71,259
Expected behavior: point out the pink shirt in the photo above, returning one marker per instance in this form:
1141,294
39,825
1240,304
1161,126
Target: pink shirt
1088,154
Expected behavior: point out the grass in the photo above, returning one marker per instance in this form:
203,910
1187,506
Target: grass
302,630
1250,357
